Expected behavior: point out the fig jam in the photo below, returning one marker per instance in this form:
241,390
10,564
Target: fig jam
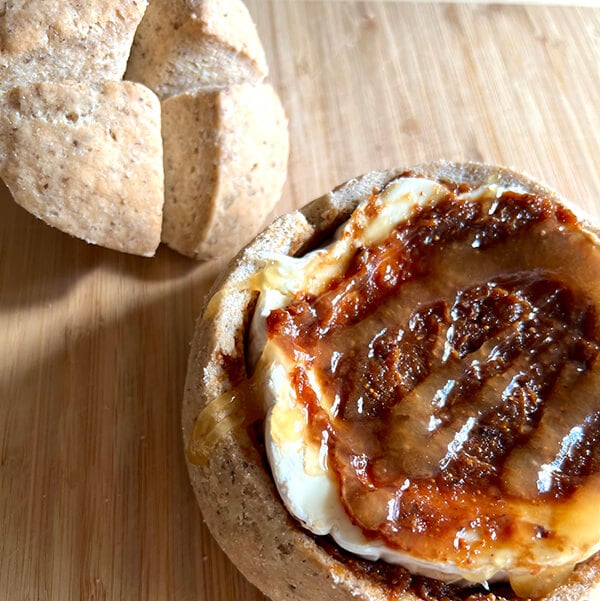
457,367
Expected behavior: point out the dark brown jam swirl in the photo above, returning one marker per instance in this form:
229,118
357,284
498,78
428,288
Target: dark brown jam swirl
458,359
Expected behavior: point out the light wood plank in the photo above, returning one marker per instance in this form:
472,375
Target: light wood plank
94,497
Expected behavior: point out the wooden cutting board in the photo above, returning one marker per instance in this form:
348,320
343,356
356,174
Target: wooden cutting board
94,498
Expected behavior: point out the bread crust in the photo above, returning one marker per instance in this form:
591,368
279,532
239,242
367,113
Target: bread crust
185,45
234,489
225,157
74,40
87,159
59,61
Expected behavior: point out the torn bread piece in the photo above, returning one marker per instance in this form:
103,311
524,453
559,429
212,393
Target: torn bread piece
184,45
225,165
87,160
71,39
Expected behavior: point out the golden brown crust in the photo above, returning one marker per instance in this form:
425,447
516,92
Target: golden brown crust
237,496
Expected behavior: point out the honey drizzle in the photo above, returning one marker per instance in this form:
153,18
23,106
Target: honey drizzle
229,412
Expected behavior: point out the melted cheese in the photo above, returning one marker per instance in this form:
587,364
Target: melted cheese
300,468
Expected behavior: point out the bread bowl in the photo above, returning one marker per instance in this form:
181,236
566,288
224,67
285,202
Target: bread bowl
224,412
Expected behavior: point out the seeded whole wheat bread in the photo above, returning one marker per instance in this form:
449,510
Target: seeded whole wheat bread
235,491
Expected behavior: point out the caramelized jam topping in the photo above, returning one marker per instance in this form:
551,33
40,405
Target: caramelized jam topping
457,363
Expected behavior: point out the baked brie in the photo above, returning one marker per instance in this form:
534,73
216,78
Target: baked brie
425,386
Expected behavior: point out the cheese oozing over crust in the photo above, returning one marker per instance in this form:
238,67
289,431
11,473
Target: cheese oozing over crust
523,521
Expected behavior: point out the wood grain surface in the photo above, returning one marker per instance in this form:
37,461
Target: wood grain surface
94,498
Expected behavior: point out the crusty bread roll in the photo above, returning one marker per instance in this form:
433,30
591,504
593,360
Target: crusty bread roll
224,174
225,154
87,159
184,45
233,483
75,40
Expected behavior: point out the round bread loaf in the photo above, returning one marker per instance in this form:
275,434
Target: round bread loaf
205,186
230,474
